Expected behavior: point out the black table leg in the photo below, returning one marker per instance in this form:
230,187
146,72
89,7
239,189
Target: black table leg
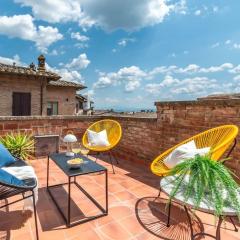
67,217
35,214
106,190
47,170
69,202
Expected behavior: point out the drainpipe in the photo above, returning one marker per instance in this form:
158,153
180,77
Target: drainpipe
41,96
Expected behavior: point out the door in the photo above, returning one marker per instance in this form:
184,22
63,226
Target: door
21,104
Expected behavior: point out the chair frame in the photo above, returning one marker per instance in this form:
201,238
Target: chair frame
107,149
9,190
225,144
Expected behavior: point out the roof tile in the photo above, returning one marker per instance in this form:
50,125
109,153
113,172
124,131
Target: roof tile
12,69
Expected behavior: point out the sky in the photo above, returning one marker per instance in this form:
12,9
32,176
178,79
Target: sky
129,53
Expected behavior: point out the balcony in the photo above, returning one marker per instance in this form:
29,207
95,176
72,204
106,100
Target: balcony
135,212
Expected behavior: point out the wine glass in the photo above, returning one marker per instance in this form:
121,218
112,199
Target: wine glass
84,151
76,148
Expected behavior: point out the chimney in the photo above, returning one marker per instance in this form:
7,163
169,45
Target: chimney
41,63
32,66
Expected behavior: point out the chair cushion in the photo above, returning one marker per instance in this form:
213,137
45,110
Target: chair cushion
184,152
8,178
98,138
6,157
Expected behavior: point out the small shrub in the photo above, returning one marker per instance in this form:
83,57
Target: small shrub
19,145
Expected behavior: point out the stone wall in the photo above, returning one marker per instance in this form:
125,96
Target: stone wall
65,96
10,84
140,142
180,120
143,138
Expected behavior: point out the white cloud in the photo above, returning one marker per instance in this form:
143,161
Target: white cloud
168,81
81,45
173,55
235,70
107,14
125,14
22,26
54,11
46,36
129,76
67,74
215,9
190,69
56,52
79,62
215,45
70,71
132,78
180,7
161,70
198,12
79,36
219,68
10,61
236,45
73,76
123,42
192,86
227,42
236,78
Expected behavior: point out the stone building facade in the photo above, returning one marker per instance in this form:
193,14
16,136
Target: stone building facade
28,91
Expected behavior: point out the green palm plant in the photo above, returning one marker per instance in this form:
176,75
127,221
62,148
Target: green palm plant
19,145
206,177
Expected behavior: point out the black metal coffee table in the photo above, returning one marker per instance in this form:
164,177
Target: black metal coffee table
87,167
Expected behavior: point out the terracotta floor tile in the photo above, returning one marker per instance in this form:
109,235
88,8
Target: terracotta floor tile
119,212
78,230
115,187
114,231
143,191
124,195
132,225
103,221
134,211
88,235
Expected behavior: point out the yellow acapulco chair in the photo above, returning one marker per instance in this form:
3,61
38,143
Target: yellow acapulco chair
114,133
218,139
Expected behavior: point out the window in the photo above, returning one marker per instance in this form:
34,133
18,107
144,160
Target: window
77,108
80,105
52,108
21,104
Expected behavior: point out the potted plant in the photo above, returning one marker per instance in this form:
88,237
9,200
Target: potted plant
19,145
203,177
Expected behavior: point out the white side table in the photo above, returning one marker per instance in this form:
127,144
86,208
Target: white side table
167,184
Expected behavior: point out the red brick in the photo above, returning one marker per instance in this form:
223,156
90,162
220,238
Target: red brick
10,126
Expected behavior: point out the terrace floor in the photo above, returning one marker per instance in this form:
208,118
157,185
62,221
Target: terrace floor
134,211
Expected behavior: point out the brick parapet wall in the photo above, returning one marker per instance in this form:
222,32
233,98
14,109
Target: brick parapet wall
181,120
143,138
140,141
